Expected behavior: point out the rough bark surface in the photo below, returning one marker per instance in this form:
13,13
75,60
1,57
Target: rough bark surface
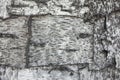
59,39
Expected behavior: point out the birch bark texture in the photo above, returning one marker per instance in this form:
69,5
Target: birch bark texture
59,39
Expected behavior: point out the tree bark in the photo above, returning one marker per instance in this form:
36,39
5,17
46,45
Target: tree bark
59,39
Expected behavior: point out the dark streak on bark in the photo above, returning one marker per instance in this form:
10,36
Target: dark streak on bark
105,25
82,66
84,35
42,44
19,6
8,65
70,50
28,41
70,11
8,35
78,72
12,2
105,30
61,68
93,41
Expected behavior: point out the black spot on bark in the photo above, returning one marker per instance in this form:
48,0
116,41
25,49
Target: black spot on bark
105,52
71,74
42,44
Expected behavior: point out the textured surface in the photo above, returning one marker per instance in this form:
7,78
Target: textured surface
13,39
45,73
4,4
106,74
53,7
59,39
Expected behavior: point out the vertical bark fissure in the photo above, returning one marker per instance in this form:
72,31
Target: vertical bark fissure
28,41
93,43
78,72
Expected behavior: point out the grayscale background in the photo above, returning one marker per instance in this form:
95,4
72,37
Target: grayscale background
59,39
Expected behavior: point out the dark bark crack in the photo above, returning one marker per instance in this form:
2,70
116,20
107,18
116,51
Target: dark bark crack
83,35
8,35
61,68
28,41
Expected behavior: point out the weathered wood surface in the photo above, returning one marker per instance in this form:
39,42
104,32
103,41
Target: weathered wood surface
59,39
